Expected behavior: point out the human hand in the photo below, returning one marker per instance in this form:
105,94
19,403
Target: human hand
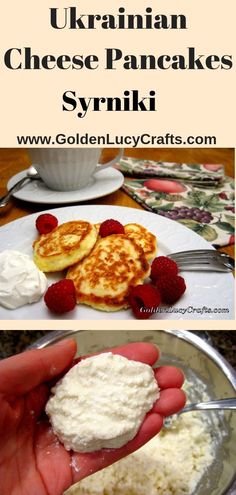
32,461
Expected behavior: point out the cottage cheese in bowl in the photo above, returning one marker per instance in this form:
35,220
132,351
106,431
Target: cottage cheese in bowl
172,463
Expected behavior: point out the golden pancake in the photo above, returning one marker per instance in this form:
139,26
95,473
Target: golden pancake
104,278
145,239
64,246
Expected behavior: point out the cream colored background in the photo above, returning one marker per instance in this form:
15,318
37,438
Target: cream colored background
189,102
117,325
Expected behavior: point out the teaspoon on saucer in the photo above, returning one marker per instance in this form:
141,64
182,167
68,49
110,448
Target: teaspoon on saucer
31,174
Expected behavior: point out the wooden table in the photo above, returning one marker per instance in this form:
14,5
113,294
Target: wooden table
13,161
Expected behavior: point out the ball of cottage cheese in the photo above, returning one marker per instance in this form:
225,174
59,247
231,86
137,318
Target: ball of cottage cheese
21,282
101,402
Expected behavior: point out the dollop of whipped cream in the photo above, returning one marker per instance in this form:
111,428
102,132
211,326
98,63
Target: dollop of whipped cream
21,282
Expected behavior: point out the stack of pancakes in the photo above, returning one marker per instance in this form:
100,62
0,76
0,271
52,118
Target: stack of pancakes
103,269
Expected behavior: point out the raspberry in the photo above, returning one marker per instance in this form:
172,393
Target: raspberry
144,297
163,266
110,227
61,297
45,223
171,288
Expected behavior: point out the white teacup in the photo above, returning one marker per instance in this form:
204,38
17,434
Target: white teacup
68,169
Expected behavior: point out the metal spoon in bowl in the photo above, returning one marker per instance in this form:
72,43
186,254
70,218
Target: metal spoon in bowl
31,174
212,405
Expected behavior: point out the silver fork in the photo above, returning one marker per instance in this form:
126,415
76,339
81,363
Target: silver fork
203,260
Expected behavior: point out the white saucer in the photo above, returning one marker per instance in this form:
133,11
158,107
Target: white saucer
35,191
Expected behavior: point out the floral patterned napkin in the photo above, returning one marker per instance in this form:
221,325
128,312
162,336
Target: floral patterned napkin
173,191
193,172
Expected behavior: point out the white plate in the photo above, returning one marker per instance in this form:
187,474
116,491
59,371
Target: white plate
213,291
104,182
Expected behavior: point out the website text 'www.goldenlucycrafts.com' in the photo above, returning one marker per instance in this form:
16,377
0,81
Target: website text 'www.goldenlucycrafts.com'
132,141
